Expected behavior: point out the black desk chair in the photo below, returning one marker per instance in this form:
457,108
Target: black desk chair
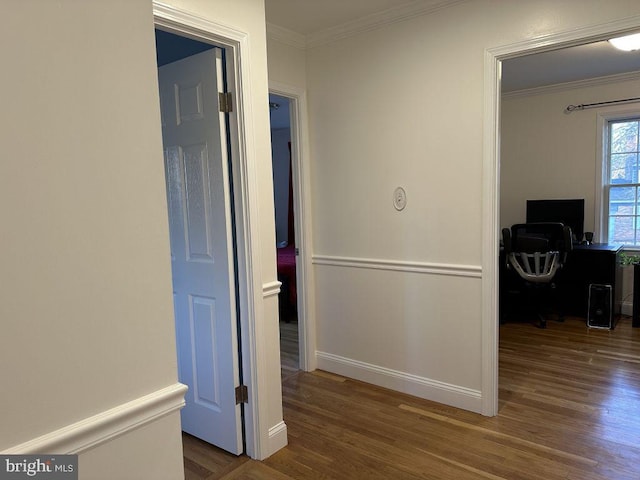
536,252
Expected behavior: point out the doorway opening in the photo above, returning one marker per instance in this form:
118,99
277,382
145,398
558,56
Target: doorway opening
262,437
191,78
493,108
285,222
293,232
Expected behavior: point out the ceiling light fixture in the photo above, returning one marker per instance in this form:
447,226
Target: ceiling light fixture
627,43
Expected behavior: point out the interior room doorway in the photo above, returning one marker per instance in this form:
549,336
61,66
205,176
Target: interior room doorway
493,162
285,221
198,174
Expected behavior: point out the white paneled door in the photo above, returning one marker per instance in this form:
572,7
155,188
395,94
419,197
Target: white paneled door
201,247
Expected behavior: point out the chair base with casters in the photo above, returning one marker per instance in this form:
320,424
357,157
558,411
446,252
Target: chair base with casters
536,304
536,253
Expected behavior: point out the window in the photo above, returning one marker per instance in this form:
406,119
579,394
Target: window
622,185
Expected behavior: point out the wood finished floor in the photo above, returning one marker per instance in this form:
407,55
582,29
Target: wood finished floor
289,351
569,409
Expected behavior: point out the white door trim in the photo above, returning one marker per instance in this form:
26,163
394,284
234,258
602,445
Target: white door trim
243,153
300,169
491,179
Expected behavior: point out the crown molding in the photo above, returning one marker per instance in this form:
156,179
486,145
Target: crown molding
561,87
378,20
360,25
286,36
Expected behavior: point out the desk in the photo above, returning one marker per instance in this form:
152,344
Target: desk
586,264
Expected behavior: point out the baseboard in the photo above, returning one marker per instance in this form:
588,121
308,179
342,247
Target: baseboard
454,395
93,431
277,438
626,308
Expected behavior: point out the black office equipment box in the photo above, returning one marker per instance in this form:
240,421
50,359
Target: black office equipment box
590,264
600,313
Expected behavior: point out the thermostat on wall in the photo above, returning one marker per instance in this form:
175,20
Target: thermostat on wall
399,198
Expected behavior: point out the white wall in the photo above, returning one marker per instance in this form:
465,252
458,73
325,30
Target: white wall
287,64
548,153
396,303
399,293
86,277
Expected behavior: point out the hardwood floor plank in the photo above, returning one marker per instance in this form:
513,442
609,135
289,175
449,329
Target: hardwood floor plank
254,471
202,461
568,409
289,350
494,433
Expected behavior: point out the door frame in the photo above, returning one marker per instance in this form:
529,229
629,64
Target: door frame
235,44
301,179
491,178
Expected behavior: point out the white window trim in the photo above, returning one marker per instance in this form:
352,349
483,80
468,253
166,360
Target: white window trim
601,220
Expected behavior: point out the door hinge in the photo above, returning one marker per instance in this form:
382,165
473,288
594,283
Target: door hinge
242,394
297,251
225,100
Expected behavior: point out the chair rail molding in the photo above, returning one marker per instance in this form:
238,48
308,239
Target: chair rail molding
98,429
457,270
271,289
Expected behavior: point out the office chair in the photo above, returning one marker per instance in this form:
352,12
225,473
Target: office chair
536,252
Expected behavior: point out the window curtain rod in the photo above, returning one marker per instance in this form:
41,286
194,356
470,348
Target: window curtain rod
582,106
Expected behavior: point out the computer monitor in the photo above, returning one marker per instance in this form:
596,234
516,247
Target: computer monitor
569,211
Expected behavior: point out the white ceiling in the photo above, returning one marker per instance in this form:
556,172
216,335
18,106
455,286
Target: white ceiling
582,62
311,17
